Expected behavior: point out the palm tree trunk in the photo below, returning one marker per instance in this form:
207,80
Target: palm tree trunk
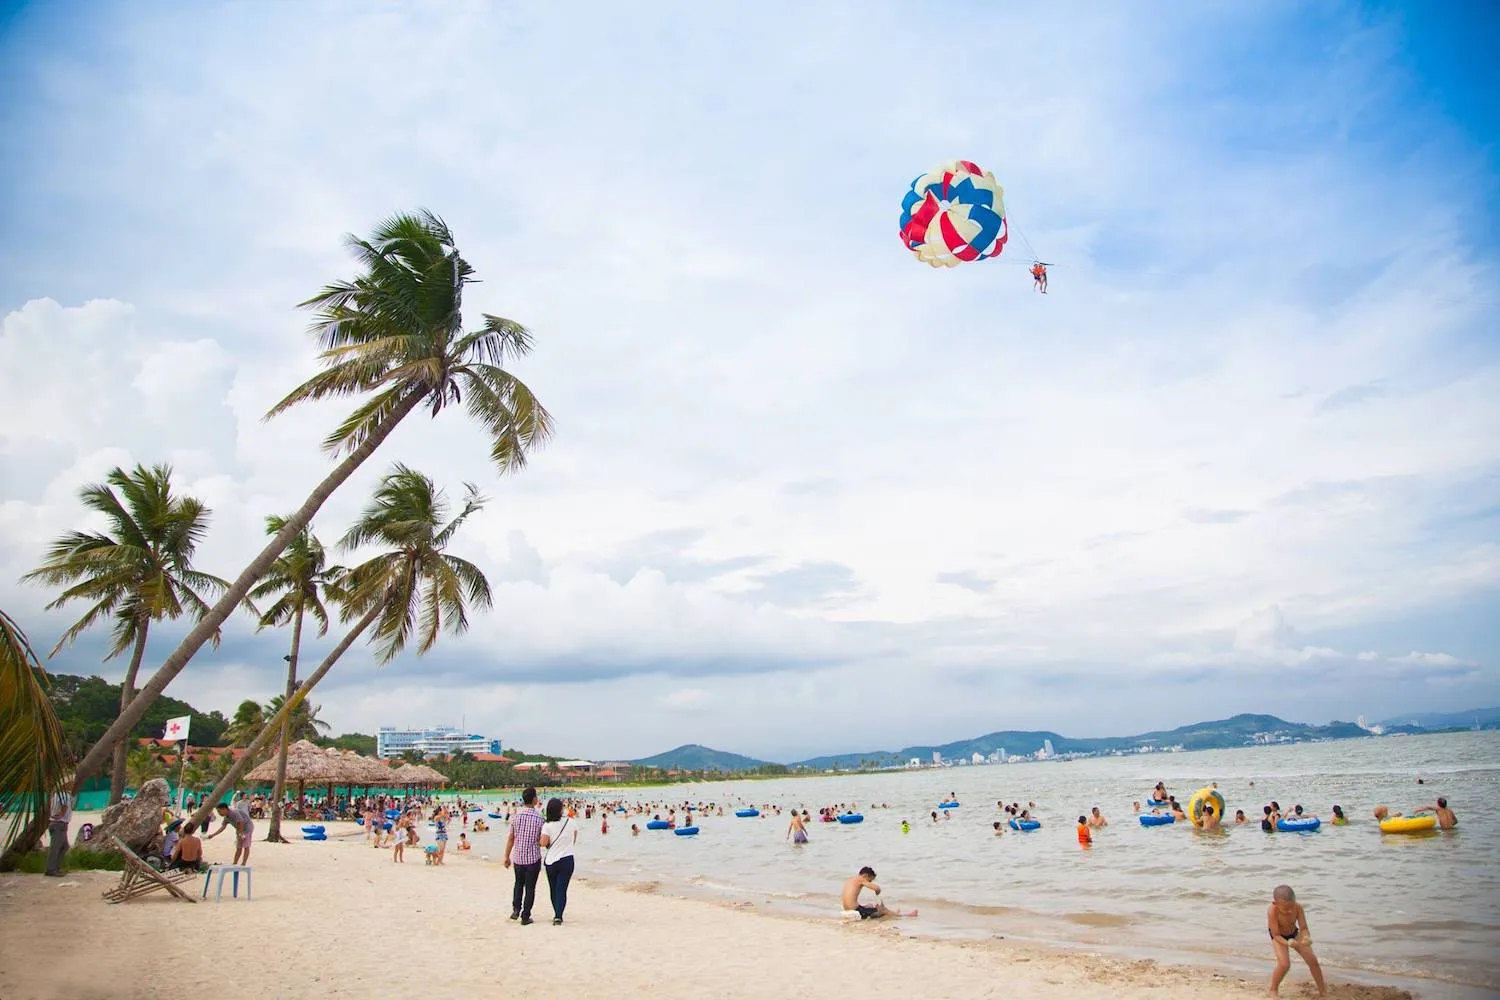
127,695
209,625
273,834
279,720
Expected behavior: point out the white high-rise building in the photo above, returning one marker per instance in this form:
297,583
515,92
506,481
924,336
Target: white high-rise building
1003,755
937,758
1047,750
432,741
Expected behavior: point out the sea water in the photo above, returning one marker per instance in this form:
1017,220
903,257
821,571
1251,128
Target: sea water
1425,907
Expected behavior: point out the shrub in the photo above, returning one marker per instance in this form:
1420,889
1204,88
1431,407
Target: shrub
78,860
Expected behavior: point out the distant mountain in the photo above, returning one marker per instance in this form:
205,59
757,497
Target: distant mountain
1232,732
695,757
1484,718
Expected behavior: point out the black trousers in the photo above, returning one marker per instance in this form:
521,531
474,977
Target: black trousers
523,898
559,874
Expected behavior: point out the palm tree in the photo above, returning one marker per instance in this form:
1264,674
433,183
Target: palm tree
394,337
33,756
143,764
248,720
299,581
414,589
137,572
301,722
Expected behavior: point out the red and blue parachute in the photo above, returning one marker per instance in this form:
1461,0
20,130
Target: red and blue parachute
954,213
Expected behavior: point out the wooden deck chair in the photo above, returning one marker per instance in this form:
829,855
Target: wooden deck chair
140,879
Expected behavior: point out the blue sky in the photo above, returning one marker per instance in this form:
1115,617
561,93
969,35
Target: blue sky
806,493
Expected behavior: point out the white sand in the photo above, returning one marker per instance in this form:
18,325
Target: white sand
338,919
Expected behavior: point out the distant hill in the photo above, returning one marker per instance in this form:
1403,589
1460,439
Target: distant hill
1236,731
694,757
1484,718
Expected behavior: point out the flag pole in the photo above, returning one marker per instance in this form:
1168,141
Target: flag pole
182,749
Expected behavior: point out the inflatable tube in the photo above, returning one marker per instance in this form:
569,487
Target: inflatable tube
392,813
947,805
852,818
312,828
360,820
1158,803
314,836
1305,825
1408,824
1025,825
686,831
1202,797
475,809
495,815
1166,820
746,813
658,824
620,810
387,826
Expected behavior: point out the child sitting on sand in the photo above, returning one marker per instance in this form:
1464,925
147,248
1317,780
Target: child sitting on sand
1286,922
463,842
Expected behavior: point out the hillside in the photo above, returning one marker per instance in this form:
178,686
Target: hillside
1236,731
1484,718
695,757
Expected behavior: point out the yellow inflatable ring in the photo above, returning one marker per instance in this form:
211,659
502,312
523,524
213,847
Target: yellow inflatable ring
1408,824
1199,799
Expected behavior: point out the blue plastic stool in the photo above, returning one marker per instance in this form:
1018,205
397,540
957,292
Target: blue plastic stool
234,889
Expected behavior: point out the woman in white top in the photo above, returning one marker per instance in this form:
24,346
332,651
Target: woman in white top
559,835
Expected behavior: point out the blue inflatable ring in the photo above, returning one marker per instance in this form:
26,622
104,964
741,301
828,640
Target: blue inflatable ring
1158,803
686,831
312,829
852,818
746,813
1305,825
947,805
1025,825
658,824
1165,820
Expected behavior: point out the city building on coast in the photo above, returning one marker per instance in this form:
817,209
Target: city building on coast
432,741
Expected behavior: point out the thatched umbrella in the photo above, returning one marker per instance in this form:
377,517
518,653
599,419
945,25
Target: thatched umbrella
304,763
431,776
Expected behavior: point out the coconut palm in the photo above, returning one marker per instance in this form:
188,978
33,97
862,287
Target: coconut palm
412,591
302,722
299,582
138,571
33,756
392,337
247,723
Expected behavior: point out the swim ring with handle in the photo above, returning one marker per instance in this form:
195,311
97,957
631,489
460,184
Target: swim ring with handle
1025,825
1306,824
1167,820
1202,797
852,818
1408,824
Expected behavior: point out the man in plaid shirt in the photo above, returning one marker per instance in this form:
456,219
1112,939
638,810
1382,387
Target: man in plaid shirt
523,854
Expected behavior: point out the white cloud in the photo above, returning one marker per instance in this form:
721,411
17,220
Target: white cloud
792,465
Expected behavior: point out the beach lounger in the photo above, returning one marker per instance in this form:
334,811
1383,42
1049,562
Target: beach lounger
140,879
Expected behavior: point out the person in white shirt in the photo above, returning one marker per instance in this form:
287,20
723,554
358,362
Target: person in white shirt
59,816
559,835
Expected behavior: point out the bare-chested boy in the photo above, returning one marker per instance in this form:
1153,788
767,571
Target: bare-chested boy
854,885
1286,922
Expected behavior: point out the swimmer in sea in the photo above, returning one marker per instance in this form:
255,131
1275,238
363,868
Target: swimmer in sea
1085,838
1339,819
1136,806
1239,817
1210,818
1097,820
1446,818
1286,923
999,828
857,884
905,826
797,830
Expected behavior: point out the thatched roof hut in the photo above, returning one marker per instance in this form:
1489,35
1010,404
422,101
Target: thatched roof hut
306,764
417,774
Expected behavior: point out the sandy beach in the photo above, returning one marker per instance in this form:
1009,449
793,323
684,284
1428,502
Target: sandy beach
338,919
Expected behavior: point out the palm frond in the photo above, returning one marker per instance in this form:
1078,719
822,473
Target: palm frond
510,413
33,755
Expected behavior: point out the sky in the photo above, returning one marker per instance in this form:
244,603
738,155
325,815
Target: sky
806,495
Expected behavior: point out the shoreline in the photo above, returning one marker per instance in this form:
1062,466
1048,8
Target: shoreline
336,918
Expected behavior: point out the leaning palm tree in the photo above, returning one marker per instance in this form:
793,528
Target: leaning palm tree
138,571
300,581
33,755
413,590
392,337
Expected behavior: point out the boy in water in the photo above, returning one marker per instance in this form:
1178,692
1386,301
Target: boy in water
1286,922
1085,838
856,884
